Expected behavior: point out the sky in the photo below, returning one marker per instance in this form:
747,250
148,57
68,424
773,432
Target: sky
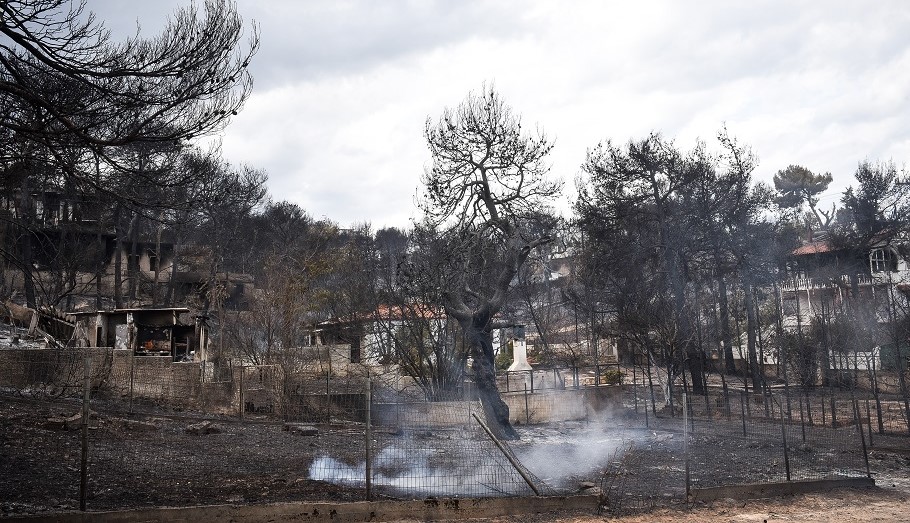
343,88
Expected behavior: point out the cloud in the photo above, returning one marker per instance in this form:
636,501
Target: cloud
324,38
343,88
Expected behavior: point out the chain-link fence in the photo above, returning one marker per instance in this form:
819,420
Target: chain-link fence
163,433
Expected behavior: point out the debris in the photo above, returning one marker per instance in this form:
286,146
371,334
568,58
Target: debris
205,427
139,426
300,428
588,487
73,422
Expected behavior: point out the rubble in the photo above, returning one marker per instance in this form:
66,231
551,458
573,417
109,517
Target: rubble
139,426
204,427
302,429
73,422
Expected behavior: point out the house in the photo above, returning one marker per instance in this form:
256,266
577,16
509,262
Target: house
67,242
823,277
168,332
765,356
374,337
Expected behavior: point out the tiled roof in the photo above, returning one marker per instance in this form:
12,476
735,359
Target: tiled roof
813,248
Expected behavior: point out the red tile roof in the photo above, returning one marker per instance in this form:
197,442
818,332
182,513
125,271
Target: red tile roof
813,248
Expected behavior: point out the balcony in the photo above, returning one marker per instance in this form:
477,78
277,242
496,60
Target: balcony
802,284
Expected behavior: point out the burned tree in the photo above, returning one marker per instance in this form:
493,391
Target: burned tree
78,105
482,201
186,82
642,191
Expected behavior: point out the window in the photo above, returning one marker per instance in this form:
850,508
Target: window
355,350
883,260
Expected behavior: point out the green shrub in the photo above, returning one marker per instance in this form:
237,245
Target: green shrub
611,377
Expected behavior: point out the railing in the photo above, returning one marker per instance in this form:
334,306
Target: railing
559,378
800,284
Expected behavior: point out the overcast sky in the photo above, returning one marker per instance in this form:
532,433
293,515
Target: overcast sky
343,88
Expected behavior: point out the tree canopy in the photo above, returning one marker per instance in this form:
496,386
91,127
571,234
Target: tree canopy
64,82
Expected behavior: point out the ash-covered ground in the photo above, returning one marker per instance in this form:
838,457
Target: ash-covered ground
177,459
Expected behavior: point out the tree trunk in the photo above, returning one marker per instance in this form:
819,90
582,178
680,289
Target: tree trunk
25,243
751,328
171,296
132,262
729,363
674,264
825,354
480,342
99,267
118,260
157,267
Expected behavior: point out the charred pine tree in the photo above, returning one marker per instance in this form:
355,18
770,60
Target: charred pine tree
484,201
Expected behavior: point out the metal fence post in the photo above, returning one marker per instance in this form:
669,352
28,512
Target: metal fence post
328,401
86,392
869,422
742,409
783,439
685,399
647,420
242,406
132,376
862,437
527,408
748,402
368,473
824,413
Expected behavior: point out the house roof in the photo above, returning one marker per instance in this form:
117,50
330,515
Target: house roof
880,239
813,248
390,313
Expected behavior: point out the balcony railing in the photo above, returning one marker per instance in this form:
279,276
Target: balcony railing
876,278
802,284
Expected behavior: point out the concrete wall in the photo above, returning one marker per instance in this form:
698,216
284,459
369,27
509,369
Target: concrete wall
562,405
430,509
437,414
51,370
540,407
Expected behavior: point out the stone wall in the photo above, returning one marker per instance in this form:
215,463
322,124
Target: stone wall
52,371
549,406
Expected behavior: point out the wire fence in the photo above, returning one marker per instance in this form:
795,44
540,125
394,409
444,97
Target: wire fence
160,433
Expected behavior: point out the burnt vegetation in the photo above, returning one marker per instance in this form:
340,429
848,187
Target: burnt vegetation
673,261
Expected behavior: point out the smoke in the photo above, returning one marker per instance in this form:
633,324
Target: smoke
325,468
447,465
560,456
402,467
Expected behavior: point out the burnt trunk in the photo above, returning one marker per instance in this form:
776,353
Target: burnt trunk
751,330
480,341
132,262
726,337
118,260
26,251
